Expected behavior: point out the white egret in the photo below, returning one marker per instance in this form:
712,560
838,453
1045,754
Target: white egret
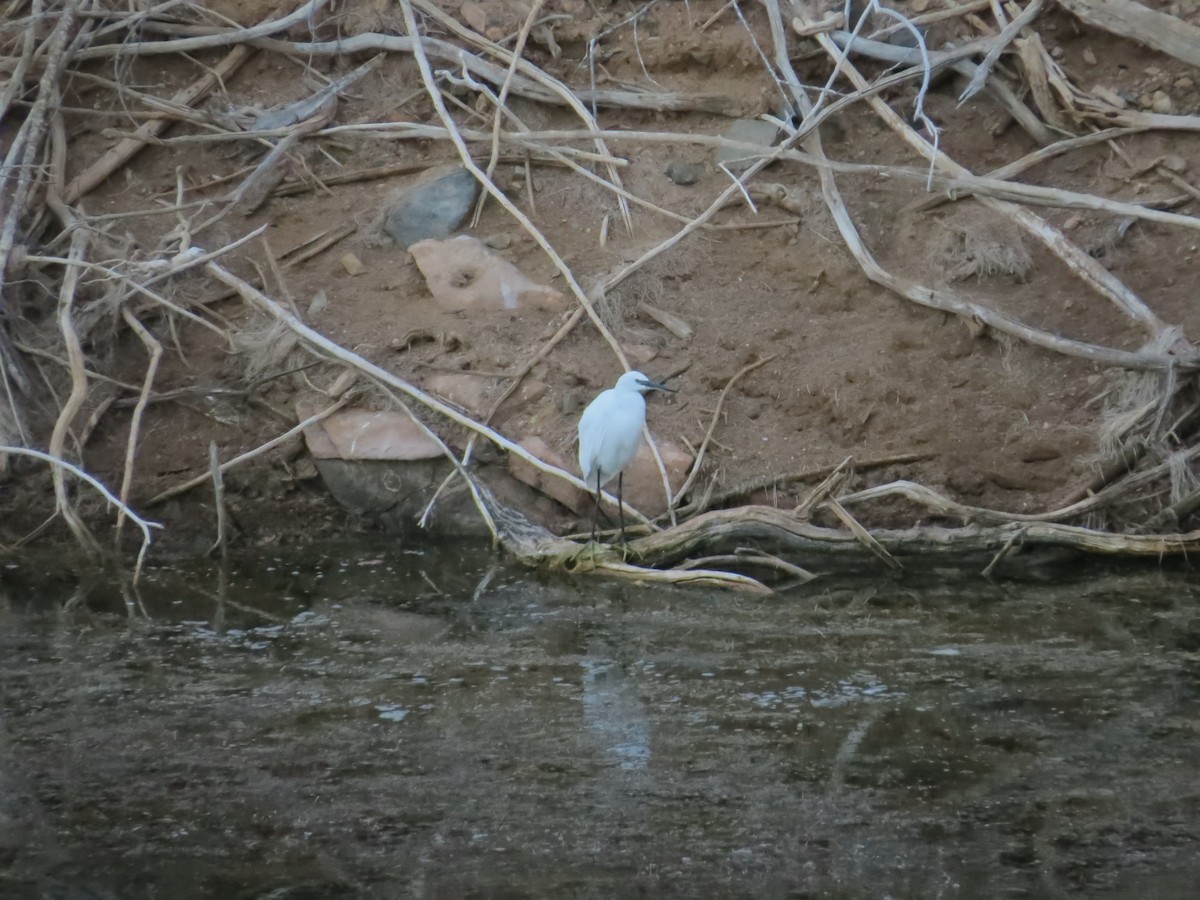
610,431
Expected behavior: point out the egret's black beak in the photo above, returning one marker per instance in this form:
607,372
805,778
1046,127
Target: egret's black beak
655,386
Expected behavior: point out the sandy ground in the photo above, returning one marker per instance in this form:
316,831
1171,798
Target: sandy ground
856,371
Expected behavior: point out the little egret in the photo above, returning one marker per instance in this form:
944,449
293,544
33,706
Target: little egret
610,431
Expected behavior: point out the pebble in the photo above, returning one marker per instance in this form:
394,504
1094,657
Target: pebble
745,131
1176,164
352,264
684,173
1089,57
498,241
1184,84
318,304
1160,102
432,208
1108,95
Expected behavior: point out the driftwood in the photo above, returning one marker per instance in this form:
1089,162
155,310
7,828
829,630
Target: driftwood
1129,19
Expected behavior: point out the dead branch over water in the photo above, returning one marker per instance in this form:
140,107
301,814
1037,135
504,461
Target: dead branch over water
49,48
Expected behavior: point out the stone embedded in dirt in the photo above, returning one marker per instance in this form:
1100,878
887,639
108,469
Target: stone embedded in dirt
1109,96
462,389
528,393
640,354
318,304
643,487
1176,164
1041,453
498,241
684,173
1160,102
431,208
463,275
474,15
564,492
569,402
1089,56
352,264
361,434
745,131
669,321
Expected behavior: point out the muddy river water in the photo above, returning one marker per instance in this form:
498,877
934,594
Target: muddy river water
372,721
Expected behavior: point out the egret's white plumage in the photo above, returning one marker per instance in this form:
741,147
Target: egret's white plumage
610,431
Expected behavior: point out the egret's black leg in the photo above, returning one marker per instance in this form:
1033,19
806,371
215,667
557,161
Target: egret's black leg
596,511
621,504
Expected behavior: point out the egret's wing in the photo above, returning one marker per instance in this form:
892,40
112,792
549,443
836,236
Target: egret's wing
609,433
591,436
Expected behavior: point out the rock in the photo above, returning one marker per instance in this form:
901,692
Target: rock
342,383
352,264
1184,83
463,275
528,393
640,354
361,434
745,131
575,499
643,485
432,207
1040,453
462,389
318,304
1176,164
1109,96
684,173
570,402
394,493
1089,56
474,15
669,321
1160,102
498,241
382,466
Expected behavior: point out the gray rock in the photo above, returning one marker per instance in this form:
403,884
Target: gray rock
684,173
393,493
745,131
432,208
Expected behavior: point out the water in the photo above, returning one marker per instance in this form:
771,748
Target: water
358,721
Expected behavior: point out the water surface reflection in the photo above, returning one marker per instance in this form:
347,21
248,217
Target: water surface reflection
369,722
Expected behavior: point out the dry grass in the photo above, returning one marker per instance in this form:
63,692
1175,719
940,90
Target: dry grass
982,246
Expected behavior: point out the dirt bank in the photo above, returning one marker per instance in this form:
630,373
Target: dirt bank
855,370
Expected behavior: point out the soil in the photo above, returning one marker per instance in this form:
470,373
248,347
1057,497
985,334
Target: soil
857,371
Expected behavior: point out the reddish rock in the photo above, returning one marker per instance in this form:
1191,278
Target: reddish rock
643,488
360,434
462,389
567,494
463,275
640,354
